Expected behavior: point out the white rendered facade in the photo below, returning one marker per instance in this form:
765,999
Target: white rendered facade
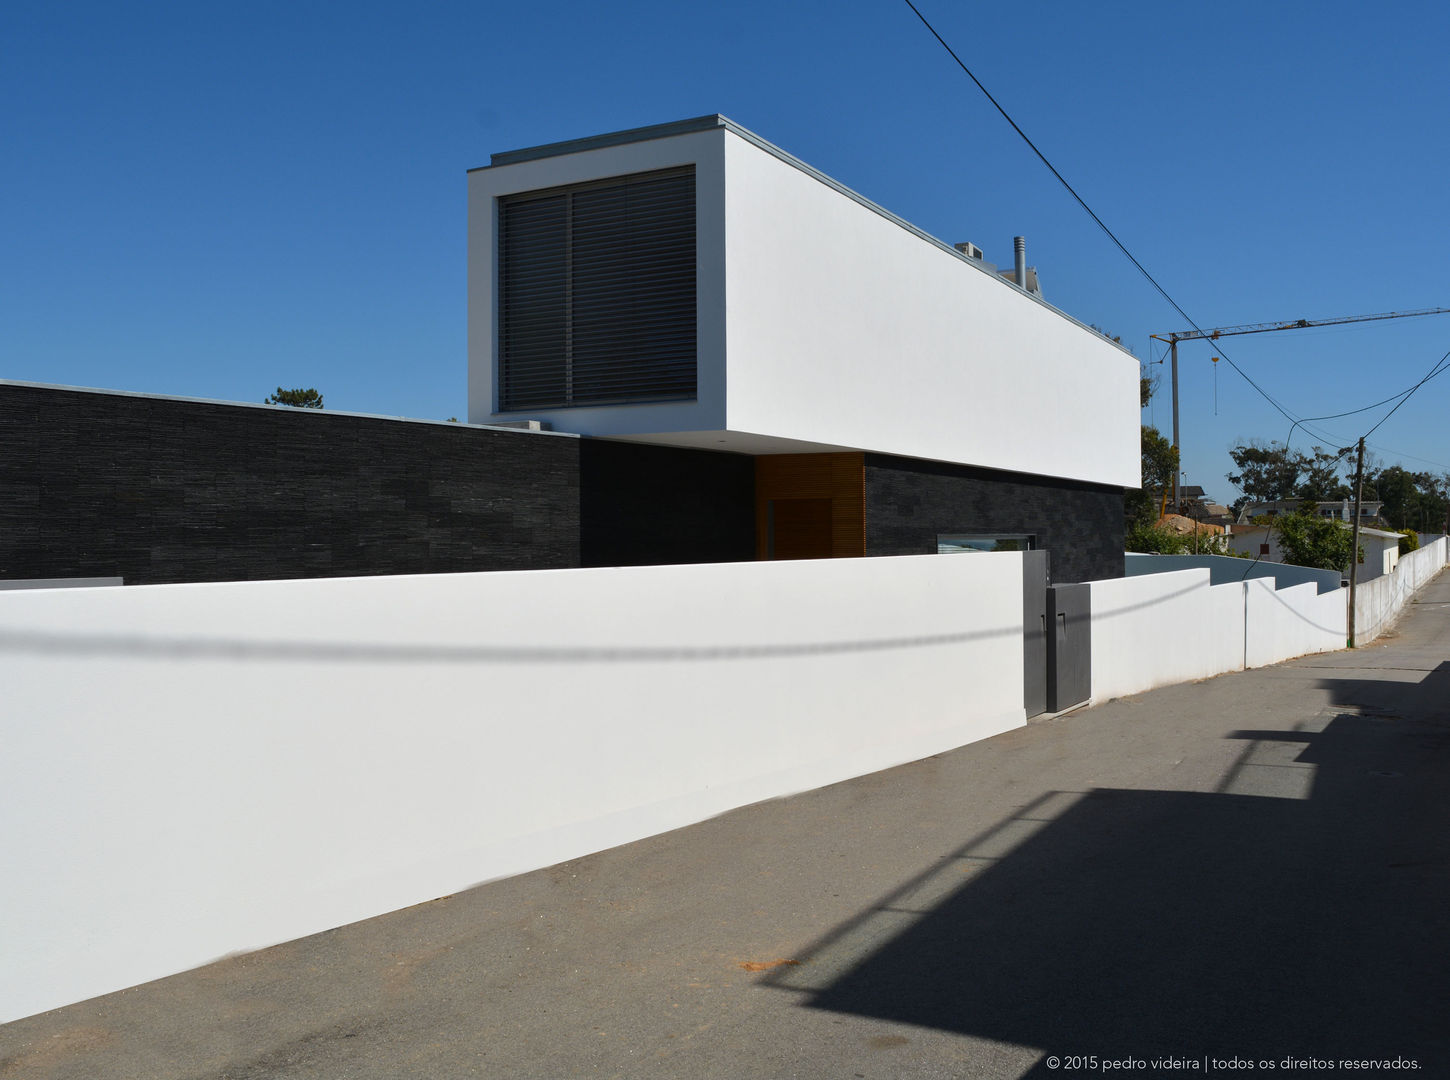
825,324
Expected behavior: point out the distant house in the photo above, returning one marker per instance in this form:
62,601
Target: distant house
1217,514
1381,552
1343,509
1381,548
1190,499
1194,503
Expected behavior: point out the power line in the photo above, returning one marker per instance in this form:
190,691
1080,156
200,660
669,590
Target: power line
1083,203
1432,373
1219,332
1412,457
1437,369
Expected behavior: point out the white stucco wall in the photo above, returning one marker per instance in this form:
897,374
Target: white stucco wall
1160,629
845,328
1294,621
1378,602
1225,569
1381,554
825,324
1250,541
194,770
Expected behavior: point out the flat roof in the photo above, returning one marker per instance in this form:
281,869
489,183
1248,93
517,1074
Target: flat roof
620,138
289,409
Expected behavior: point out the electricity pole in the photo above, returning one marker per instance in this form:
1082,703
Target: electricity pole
1173,347
1354,534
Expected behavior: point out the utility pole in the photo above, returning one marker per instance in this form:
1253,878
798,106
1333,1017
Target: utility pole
1173,347
1354,534
1173,340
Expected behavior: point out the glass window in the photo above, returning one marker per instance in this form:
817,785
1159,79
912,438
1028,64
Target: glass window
955,543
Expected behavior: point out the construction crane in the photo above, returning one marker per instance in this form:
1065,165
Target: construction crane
1262,328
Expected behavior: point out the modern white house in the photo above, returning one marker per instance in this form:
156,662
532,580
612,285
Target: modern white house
739,359
691,285
685,346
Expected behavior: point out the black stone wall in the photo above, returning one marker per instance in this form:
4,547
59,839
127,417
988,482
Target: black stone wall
96,484
642,504
908,502
156,490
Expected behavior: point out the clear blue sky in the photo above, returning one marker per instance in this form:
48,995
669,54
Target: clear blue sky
212,200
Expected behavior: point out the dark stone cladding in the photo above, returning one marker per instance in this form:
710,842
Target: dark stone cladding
908,502
643,504
95,484
154,490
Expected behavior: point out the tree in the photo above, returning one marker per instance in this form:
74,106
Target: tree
1412,500
297,398
1437,502
1266,472
1396,489
1153,538
1272,471
1160,466
1306,539
1147,385
1116,339
1158,537
1322,480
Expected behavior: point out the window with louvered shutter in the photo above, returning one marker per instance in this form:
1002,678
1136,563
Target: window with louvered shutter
597,293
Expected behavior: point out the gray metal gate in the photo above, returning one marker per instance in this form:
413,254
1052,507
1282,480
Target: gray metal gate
1069,646
1057,642
1034,631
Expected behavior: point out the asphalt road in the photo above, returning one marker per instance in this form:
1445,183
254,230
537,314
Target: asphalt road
1248,869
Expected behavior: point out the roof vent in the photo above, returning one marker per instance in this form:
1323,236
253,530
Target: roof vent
969,249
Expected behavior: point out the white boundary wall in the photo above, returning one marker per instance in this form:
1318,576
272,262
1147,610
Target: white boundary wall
1163,628
1226,569
1379,602
195,770
1158,629
1284,623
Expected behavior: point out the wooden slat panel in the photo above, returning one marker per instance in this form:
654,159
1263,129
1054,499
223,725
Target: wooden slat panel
841,478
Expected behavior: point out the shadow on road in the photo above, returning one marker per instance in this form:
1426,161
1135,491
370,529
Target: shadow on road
1303,909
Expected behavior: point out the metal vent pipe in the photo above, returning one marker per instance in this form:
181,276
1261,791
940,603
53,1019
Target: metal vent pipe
1019,246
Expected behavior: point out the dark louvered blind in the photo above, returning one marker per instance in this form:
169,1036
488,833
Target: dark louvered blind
597,293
